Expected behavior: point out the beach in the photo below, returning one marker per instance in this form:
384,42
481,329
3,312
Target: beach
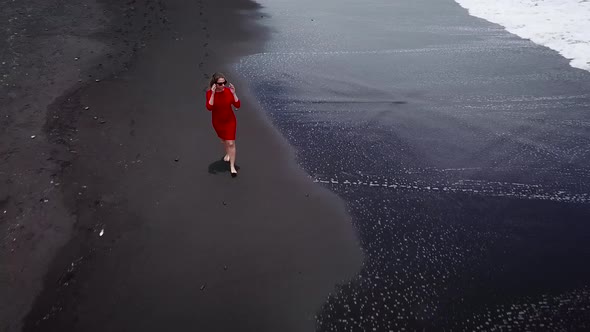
153,232
402,166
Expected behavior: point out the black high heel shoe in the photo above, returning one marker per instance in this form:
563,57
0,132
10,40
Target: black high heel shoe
233,175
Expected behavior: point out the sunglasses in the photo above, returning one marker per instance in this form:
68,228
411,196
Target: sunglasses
220,83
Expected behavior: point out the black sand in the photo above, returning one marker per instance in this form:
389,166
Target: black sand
127,174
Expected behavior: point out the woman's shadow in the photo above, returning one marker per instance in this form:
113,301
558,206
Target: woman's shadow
220,166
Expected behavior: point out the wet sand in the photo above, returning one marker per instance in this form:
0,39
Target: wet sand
155,233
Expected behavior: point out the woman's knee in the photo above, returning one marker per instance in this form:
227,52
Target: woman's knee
230,144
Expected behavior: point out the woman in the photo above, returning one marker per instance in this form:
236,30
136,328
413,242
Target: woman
220,96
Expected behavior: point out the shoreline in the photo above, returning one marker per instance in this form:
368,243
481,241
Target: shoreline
459,161
142,140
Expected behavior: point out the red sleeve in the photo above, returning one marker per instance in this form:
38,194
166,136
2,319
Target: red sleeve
233,101
208,96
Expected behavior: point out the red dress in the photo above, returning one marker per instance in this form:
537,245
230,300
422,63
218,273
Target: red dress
222,115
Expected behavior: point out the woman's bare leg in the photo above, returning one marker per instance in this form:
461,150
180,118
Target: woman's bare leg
231,151
226,157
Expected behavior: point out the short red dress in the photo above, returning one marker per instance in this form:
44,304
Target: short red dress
222,115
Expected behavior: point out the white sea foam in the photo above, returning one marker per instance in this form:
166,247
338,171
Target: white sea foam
562,25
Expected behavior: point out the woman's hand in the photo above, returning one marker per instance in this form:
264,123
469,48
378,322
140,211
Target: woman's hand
213,88
232,88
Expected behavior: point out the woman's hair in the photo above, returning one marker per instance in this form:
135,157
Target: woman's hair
215,77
